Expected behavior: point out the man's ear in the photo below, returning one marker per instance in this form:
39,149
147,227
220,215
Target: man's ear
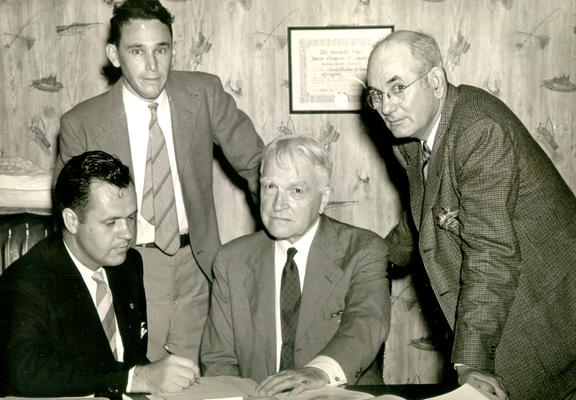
112,54
71,220
438,81
326,193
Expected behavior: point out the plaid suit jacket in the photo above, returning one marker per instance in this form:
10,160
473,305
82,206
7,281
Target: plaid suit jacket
496,228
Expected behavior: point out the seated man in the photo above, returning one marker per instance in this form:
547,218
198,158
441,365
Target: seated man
308,297
72,310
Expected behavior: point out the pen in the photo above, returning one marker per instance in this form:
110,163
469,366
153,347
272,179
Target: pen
170,352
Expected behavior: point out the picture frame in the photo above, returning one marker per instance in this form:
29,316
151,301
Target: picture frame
327,66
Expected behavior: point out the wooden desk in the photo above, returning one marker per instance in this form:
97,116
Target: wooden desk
408,391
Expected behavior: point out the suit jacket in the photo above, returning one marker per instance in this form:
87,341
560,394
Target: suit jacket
497,236
203,114
344,311
51,338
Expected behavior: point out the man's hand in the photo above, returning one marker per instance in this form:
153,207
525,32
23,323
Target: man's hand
295,381
168,375
483,381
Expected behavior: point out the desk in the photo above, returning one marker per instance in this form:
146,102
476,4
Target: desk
408,391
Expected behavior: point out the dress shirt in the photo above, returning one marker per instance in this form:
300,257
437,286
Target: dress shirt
327,364
138,118
87,274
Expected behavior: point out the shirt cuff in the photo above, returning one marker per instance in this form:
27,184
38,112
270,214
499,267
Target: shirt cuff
334,371
129,383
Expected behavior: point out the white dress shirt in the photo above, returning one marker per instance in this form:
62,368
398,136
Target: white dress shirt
327,364
138,118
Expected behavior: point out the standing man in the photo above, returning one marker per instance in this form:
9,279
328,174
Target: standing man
304,303
163,124
496,223
73,311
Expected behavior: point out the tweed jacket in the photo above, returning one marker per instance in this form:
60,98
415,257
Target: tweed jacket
203,115
344,314
51,338
496,230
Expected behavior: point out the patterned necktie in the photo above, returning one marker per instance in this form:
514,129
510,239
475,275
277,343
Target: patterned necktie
106,309
426,152
290,297
158,202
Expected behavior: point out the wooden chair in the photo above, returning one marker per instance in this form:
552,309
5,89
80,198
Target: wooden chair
19,233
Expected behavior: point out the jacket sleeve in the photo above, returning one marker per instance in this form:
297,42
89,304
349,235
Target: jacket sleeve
236,135
71,141
487,171
218,354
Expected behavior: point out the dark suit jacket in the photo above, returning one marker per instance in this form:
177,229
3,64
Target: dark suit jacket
51,339
203,114
345,274
497,235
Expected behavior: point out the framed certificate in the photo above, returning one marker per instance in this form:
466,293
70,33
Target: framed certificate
327,66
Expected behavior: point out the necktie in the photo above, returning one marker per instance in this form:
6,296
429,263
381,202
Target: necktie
290,297
158,202
106,309
426,152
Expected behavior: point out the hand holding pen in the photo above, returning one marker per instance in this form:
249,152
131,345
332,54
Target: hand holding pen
171,352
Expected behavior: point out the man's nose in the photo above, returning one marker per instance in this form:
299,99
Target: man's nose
151,62
126,230
279,201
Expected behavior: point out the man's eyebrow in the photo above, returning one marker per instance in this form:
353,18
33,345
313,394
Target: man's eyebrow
394,79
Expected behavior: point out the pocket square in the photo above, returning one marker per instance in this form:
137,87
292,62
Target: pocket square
143,330
448,219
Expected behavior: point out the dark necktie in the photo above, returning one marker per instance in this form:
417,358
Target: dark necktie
426,152
106,310
158,201
290,297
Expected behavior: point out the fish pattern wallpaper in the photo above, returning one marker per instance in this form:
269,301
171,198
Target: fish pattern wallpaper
52,56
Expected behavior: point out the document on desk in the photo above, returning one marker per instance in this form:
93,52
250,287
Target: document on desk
464,392
234,388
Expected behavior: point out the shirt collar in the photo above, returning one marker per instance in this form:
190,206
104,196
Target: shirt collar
134,102
430,141
86,272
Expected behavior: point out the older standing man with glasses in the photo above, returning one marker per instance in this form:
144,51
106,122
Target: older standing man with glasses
491,218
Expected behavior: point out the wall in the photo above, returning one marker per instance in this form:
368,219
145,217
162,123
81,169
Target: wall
52,52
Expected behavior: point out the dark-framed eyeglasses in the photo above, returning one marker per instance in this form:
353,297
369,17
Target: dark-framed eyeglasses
375,97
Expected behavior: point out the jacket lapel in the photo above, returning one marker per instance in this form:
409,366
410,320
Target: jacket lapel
322,271
111,121
86,321
259,284
435,165
184,110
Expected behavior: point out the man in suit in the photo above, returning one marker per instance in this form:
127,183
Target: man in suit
495,224
73,311
178,235
304,303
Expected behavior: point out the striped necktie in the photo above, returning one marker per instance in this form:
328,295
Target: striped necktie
426,152
290,296
158,201
106,310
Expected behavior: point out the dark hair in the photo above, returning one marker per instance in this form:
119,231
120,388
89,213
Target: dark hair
72,188
137,9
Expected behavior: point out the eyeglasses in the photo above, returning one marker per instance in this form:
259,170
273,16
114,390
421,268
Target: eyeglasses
375,97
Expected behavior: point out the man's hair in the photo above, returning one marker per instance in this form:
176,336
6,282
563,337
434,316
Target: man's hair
284,148
423,47
72,188
137,9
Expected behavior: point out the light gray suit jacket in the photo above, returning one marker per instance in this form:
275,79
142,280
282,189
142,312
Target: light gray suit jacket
344,314
203,115
497,235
